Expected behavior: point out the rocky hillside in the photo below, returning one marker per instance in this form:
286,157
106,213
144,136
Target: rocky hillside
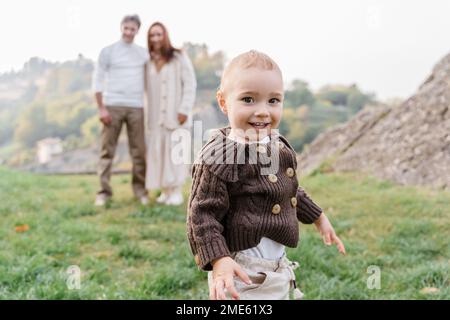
408,144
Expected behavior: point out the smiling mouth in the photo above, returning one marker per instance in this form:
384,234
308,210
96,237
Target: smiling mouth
259,125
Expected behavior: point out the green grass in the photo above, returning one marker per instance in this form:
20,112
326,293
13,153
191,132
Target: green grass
132,252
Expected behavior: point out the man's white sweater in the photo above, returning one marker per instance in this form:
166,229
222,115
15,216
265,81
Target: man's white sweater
119,74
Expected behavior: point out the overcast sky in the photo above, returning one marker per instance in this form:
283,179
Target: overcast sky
387,47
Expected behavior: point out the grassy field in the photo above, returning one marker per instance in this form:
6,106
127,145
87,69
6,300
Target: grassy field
127,251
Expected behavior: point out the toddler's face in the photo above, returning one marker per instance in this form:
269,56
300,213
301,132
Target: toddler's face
253,101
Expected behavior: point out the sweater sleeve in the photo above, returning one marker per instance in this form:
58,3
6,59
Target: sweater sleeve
100,70
208,205
189,85
307,210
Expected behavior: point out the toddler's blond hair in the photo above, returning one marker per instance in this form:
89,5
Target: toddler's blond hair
250,59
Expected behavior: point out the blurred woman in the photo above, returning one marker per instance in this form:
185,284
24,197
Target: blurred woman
170,96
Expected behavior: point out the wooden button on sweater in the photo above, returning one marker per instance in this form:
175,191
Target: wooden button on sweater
276,209
290,172
294,201
273,178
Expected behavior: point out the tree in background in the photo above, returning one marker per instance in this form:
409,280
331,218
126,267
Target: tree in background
60,117
207,66
307,114
298,94
350,96
32,125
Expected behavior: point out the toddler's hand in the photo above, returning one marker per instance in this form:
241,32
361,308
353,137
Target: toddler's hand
325,228
224,270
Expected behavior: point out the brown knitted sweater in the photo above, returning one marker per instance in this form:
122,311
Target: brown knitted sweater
234,202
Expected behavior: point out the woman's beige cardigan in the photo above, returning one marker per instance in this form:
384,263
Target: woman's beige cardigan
177,95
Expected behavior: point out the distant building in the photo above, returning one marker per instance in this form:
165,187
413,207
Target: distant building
47,148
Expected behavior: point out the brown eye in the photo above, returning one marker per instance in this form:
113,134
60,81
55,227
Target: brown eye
274,100
247,99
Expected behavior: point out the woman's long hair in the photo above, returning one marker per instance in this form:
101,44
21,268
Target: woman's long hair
167,50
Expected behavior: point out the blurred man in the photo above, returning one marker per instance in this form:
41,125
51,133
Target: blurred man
118,83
